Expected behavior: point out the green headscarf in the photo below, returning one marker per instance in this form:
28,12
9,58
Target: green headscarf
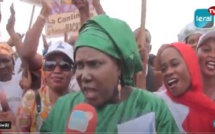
114,38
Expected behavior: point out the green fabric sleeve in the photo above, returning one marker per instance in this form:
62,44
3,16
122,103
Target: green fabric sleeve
60,112
165,122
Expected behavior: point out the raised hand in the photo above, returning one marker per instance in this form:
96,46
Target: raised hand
10,41
84,10
81,4
46,9
25,82
6,114
3,101
11,22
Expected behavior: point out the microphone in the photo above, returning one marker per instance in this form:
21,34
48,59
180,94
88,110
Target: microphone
83,119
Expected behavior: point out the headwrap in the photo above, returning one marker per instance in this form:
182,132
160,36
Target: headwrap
187,31
114,38
6,49
201,108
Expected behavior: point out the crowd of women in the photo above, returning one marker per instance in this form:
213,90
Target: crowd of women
106,68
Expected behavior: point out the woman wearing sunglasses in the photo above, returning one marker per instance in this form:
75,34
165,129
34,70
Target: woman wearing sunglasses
58,70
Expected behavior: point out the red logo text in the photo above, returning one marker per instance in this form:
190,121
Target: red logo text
211,10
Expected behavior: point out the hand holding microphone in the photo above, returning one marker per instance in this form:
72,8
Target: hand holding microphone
83,119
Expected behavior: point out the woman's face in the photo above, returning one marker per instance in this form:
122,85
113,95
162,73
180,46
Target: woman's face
206,55
97,75
175,72
146,49
193,40
58,71
6,67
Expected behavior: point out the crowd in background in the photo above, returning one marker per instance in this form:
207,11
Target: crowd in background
130,89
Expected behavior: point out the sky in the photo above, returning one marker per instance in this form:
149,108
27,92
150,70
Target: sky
164,18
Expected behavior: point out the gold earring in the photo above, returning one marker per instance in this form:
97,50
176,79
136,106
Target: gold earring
119,89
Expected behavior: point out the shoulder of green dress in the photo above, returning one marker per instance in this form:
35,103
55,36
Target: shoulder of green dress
74,97
149,102
146,96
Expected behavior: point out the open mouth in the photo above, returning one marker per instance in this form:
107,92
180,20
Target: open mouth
57,79
210,65
172,83
89,93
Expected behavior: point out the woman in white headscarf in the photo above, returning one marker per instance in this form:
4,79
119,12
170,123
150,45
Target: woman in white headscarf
190,35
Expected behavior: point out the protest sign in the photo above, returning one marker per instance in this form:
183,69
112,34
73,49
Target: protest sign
63,18
57,24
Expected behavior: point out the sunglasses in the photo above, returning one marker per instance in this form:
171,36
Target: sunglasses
63,65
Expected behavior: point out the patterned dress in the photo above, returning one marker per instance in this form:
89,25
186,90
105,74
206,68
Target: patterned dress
28,119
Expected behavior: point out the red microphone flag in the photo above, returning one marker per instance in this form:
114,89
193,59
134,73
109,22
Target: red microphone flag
83,119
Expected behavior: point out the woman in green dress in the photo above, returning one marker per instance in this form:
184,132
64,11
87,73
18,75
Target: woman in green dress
106,57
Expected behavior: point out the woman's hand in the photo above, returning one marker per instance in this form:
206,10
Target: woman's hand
11,22
46,9
7,114
82,5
